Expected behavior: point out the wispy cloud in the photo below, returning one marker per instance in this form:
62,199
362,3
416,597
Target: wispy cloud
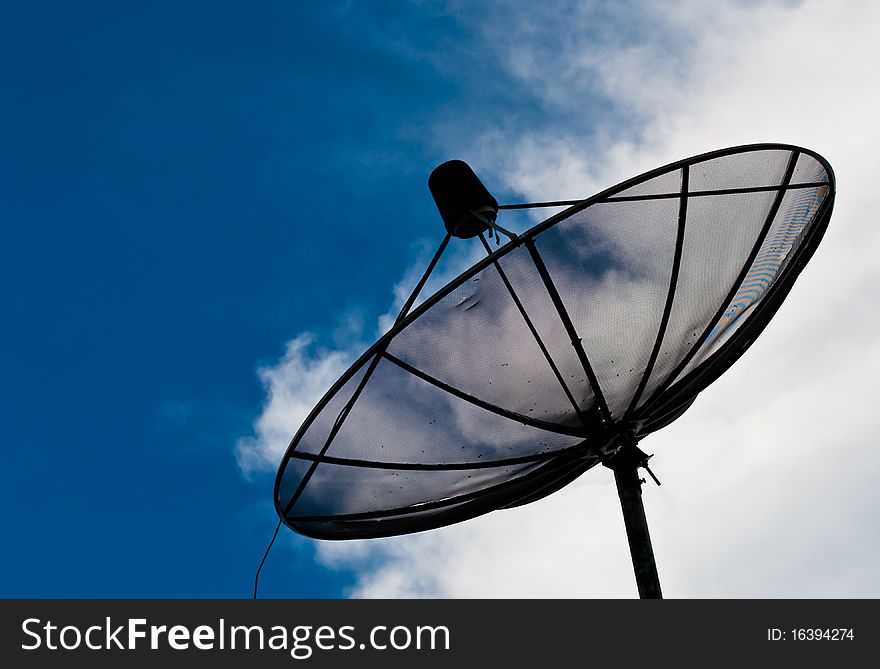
295,383
293,386
767,479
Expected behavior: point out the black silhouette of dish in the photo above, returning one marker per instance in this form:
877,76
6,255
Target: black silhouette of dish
591,330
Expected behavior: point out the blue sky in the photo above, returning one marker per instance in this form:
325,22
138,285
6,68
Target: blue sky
185,187
189,187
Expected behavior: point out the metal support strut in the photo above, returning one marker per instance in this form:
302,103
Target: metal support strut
625,464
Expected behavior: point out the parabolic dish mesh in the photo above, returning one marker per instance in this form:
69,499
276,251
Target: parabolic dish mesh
522,373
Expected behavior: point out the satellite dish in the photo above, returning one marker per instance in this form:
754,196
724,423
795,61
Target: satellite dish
560,350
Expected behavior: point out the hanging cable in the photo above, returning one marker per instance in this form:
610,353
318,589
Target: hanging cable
493,226
265,555
403,312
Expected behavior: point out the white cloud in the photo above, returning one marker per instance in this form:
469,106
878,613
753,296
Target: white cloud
768,479
293,386
455,259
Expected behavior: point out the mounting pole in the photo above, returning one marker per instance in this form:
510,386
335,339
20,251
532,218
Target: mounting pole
625,464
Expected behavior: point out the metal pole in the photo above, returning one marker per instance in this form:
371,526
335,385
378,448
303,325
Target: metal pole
625,465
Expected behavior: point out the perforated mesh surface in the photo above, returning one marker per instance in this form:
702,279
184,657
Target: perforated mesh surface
523,372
